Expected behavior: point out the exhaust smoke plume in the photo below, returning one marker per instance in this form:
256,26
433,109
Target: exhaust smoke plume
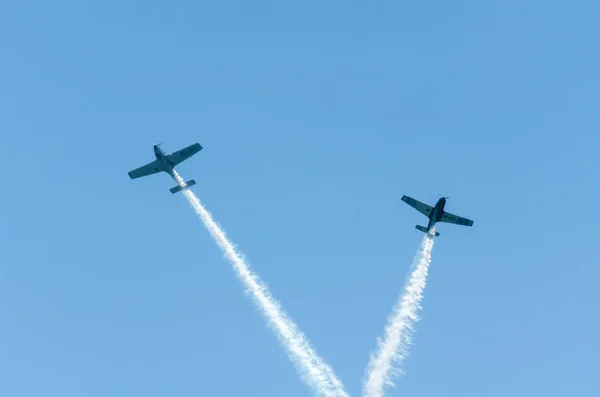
314,371
398,333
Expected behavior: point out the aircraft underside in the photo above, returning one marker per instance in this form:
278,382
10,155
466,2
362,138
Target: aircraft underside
435,214
167,162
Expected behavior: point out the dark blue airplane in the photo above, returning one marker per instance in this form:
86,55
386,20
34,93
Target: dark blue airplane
435,214
166,163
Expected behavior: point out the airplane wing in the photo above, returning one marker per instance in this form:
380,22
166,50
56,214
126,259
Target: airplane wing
184,154
148,169
457,220
419,206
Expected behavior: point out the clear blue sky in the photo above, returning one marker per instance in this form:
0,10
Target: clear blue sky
315,118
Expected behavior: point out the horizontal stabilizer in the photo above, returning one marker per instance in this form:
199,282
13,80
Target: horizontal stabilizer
424,229
177,188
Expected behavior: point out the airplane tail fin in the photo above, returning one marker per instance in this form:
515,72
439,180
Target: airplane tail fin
424,230
177,188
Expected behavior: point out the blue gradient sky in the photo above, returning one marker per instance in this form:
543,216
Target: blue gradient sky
315,118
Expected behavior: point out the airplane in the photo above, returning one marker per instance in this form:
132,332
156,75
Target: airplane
435,214
166,163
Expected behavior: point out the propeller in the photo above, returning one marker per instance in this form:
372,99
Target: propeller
157,144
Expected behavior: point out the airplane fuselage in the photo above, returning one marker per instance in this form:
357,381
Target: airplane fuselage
437,213
166,165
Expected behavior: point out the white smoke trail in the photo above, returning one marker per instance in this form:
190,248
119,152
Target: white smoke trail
398,332
314,371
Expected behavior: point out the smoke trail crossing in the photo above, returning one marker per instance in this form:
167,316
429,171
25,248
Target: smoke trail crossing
398,332
314,371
